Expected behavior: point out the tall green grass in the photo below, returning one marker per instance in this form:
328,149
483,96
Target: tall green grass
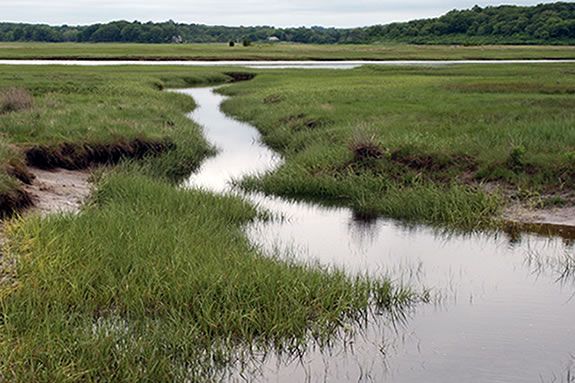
154,283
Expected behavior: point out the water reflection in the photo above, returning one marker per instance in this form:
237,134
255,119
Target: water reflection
506,314
308,64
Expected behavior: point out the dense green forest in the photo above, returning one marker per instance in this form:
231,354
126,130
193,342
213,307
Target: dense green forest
541,24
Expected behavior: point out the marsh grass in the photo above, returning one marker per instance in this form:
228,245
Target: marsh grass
284,51
459,142
83,117
14,100
160,284
152,282
561,266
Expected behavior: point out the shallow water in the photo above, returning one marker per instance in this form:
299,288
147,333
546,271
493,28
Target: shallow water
507,309
348,64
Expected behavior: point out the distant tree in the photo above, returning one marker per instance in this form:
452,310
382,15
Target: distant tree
232,44
107,33
545,23
131,33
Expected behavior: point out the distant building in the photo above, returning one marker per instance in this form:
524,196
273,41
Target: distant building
273,39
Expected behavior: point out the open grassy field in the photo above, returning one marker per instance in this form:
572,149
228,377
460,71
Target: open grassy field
277,52
441,144
148,282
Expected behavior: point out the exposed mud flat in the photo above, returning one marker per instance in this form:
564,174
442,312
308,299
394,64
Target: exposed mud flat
561,216
58,190
557,221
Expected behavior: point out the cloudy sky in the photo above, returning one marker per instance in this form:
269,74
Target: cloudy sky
339,13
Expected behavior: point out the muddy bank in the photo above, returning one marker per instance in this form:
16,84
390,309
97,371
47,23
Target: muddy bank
13,201
58,190
74,156
240,76
558,221
66,186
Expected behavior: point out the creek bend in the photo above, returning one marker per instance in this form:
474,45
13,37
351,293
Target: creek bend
508,307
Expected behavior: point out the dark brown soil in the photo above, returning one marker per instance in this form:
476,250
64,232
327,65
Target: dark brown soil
20,172
81,156
14,201
240,76
365,151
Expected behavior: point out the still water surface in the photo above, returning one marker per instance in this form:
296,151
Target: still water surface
507,312
347,64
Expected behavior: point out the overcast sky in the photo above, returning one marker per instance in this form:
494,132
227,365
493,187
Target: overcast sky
338,13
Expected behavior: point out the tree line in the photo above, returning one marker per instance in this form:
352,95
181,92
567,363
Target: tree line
541,24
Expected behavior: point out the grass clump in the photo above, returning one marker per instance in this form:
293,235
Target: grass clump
15,99
160,284
516,160
365,147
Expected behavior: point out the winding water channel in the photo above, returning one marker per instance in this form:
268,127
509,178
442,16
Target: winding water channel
507,312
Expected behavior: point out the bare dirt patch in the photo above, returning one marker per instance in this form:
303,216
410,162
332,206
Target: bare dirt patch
560,216
58,190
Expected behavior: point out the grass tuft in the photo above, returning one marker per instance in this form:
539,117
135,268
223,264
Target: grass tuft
15,99
365,147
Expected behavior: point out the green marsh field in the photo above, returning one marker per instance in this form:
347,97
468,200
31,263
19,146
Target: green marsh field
452,144
274,52
152,282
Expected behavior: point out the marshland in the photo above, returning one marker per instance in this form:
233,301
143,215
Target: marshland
393,214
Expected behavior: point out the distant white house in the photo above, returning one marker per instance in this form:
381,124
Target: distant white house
273,39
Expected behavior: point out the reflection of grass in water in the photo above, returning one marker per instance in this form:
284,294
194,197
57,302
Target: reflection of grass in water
362,350
160,284
568,376
561,266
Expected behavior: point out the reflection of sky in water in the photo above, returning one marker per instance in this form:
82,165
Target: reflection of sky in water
274,64
505,316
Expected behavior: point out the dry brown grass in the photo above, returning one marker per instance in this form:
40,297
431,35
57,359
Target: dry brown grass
365,147
15,99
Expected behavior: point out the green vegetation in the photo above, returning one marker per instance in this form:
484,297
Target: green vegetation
271,52
150,282
441,144
162,287
103,107
541,24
